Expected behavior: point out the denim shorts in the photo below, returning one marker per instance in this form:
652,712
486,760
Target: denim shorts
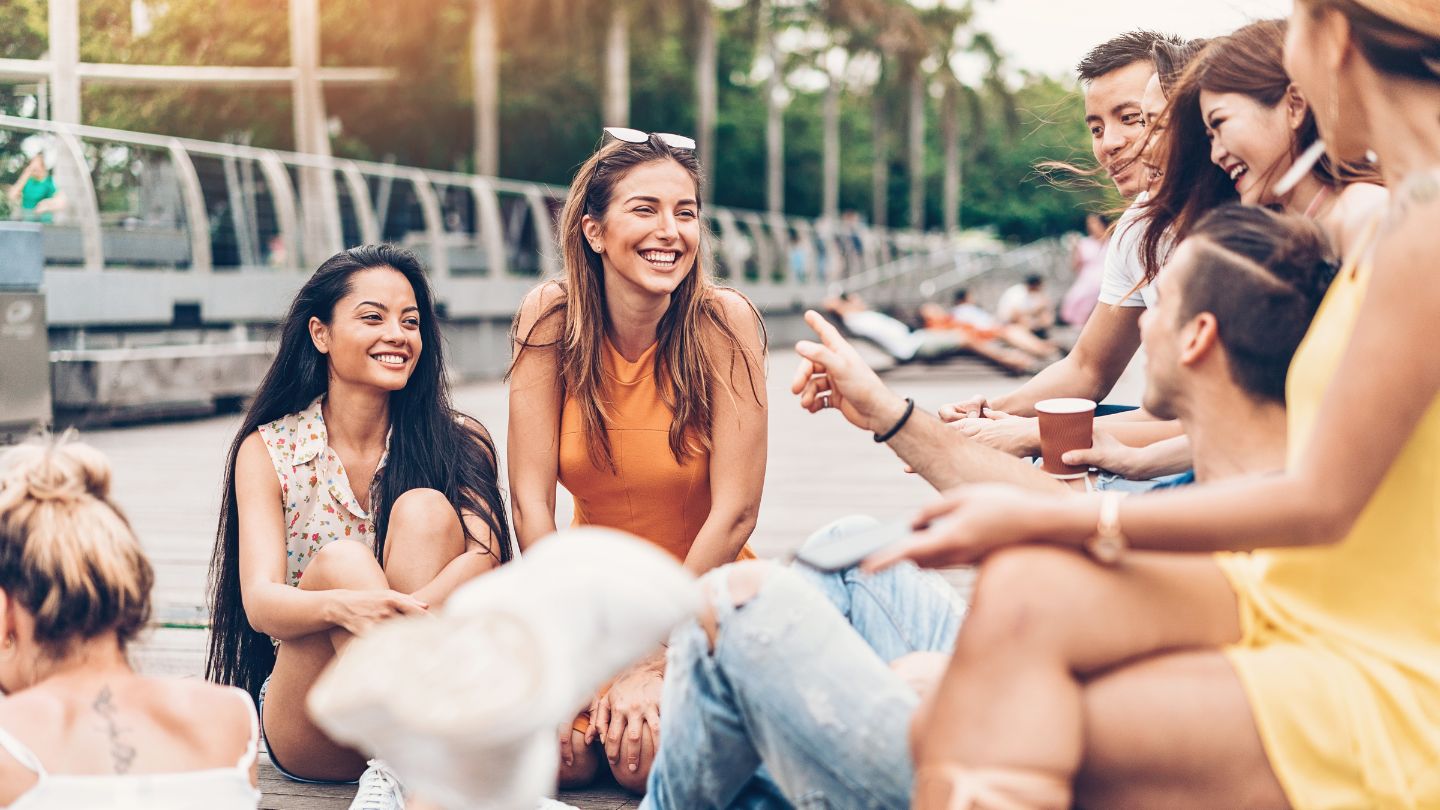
265,687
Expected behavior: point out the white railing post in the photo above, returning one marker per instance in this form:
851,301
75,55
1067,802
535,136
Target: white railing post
87,205
196,217
488,226
282,195
434,223
360,200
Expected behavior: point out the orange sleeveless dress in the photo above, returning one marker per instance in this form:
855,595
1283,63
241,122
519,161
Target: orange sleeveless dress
649,494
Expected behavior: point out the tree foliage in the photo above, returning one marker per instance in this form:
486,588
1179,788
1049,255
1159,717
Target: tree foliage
551,76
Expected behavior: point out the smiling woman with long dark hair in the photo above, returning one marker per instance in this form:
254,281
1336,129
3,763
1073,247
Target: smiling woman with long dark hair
354,492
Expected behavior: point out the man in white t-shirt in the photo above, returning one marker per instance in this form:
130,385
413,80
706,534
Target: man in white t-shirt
1115,77
1121,285
1028,306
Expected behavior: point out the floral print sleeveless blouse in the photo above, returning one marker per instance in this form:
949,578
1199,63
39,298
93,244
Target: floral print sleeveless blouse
320,507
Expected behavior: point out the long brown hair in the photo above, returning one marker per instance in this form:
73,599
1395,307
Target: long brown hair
1388,44
686,368
1250,61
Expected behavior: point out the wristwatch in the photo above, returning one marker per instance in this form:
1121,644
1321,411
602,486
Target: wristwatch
1108,543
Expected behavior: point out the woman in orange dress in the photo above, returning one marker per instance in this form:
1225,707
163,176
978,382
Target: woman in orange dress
638,383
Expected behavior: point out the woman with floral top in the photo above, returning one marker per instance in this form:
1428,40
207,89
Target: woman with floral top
354,492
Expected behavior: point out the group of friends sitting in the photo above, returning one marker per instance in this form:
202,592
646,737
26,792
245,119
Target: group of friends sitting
1253,627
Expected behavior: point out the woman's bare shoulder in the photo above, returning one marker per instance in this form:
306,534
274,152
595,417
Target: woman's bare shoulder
537,321
214,721
737,312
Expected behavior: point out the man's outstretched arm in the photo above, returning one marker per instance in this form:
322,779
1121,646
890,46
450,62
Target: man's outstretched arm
832,374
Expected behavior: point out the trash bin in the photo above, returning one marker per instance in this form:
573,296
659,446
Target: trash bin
24,336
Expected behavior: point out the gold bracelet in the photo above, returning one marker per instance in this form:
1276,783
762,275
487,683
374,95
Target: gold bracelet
1109,543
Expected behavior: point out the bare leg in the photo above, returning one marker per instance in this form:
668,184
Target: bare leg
424,536
1044,620
635,781
1144,748
1026,341
584,764
1009,358
294,740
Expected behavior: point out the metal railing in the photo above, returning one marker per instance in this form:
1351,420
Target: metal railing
901,285
155,226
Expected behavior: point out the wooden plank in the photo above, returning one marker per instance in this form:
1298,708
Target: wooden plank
280,793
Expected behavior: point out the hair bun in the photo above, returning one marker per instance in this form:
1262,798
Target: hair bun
56,470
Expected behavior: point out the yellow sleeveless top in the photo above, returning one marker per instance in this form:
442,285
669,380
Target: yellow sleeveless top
648,494
1341,648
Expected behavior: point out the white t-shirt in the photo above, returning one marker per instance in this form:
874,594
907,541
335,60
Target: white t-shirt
889,334
972,315
1123,269
1019,301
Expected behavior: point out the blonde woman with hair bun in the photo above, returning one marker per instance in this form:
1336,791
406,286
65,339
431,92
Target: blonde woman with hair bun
79,727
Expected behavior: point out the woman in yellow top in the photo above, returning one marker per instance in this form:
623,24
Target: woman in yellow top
1306,674
638,383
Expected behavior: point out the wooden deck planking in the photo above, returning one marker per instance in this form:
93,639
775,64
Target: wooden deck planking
820,468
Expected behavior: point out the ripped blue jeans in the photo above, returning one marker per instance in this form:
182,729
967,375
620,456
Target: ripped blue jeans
797,706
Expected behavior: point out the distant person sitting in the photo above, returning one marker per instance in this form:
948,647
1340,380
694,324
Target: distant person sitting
80,728
981,325
1028,305
35,192
892,335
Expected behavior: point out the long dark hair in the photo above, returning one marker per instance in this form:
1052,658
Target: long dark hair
686,373
1250,61
431,446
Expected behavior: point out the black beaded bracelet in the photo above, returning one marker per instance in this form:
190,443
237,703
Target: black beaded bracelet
904,417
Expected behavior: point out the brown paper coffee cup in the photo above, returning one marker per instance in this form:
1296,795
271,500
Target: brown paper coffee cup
1065,424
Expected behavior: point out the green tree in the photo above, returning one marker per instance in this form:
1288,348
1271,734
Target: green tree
551,63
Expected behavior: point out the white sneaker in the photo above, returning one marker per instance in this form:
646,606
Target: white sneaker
551,804
378,789
465,704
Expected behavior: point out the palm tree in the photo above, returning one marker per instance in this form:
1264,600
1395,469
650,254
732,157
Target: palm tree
899,40
707,97
774,111
955,91
853,28
617,66
485,72
941,26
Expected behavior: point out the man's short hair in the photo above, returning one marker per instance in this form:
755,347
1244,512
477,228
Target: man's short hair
961,295
1262,275
1034,280
1122,51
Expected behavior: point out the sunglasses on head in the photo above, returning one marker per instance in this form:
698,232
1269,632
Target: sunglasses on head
670,139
